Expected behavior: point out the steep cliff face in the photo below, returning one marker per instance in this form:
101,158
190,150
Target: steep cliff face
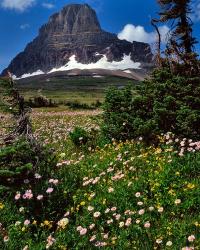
75,30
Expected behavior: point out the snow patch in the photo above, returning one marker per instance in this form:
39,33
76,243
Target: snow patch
103,63
98,76
128,71
36,73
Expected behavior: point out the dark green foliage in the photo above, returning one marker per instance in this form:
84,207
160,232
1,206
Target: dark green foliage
118,119
164,103
180,52
41,101
173,103
79,136
78,105
21,161
88,140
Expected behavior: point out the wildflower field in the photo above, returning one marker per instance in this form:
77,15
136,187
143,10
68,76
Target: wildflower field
110,195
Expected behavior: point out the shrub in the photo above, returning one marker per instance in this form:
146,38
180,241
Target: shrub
21,161
163,103
78,105
29,179
117,115
41,101
79,136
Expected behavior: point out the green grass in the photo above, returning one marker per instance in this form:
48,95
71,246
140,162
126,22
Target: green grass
66,96
82,89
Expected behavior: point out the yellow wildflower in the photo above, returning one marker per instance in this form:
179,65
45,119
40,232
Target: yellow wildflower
104,201
1,205
34,222
46,223
190,186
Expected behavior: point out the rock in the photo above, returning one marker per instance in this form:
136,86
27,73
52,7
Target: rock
75,30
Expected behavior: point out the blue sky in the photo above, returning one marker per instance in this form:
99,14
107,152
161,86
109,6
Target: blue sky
20,20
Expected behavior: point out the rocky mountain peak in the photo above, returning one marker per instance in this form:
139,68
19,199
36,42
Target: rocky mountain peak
76,32
73,19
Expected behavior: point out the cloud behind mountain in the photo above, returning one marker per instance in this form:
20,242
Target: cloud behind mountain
138,33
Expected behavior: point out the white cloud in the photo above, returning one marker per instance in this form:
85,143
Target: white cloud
48,5
24,26
19,5
137,33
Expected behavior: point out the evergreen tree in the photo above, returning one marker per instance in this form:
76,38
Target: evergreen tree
180,52
14,103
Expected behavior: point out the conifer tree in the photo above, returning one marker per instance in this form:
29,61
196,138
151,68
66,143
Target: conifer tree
14,103
180,52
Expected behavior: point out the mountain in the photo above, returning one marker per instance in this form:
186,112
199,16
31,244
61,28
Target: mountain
73,38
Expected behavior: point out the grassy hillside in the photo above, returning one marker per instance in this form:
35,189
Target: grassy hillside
85,89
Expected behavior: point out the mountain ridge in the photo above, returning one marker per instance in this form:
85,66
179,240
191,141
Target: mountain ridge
75,31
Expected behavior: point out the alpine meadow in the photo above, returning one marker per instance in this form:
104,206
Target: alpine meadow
100,134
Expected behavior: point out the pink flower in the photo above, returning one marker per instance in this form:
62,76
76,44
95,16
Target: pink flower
83,231
113,209
50,241
93,238
118,216
147,224
160,209
96,214
191,238
128,222
5,238
54,181
28,195
40,197
107,210
141,211
49,190
91,226
110,190
66,214
26,222
109,221
105,236
188,248
79,228
17,196
127,212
